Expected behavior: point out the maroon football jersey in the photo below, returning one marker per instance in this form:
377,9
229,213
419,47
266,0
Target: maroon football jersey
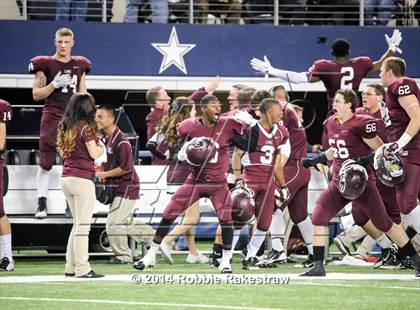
120,154
51,67
221,134
79,163
380,129
297,134
346,140
260,163
336,76
403,86
5,111
5,116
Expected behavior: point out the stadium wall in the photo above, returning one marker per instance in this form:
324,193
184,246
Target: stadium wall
225,50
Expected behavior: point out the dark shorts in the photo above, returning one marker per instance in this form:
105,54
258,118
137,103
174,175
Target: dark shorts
48,139
264,200
190,192
368,206
297,179
409,190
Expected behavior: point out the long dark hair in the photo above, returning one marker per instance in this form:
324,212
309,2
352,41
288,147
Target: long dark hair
180,110
81,107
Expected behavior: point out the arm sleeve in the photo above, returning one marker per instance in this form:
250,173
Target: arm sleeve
198,95
153,143
367,128
247,142
285,148
125,156
292,76
88,134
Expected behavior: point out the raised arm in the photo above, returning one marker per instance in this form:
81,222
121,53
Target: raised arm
265,67
393,46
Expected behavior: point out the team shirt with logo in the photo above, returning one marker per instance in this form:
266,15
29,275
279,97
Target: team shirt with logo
346,140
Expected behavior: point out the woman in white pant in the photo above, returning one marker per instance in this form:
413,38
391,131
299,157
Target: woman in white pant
78,145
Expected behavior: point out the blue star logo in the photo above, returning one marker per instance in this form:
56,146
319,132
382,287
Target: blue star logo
173,52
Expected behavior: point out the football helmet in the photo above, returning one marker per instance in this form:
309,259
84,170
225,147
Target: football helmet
389,169
243,206
352,180
199,151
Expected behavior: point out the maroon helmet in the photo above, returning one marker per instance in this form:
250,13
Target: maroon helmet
389,169
352,180
243,206
199,151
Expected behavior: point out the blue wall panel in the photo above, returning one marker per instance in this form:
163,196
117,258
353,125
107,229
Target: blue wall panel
125,49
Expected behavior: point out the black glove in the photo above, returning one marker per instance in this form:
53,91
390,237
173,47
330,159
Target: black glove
312,162
365,160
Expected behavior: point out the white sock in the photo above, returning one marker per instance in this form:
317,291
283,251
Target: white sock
277,230
154,247
255,243
42,179
413,218
6,246
236,235
384,242
305,228
226,255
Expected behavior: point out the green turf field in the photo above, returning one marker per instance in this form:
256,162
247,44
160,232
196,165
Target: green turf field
123,294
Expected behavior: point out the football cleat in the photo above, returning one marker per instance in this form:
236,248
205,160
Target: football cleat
165,250
225,266
385,256
216,255
149,260
6,264
41,211
199,259
91,275
341,246
250,263
316,271
272,258
309,263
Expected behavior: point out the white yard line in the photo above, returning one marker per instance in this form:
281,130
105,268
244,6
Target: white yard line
357,285
154,278
143,303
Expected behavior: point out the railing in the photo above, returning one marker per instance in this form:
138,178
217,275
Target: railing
275,12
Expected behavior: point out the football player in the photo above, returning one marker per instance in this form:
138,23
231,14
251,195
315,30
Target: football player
207,180
57,78
261,166
352,136
158,99
373,98
297,180
7,263
340,72
403,112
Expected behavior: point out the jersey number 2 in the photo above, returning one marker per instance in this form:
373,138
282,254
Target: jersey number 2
347,78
